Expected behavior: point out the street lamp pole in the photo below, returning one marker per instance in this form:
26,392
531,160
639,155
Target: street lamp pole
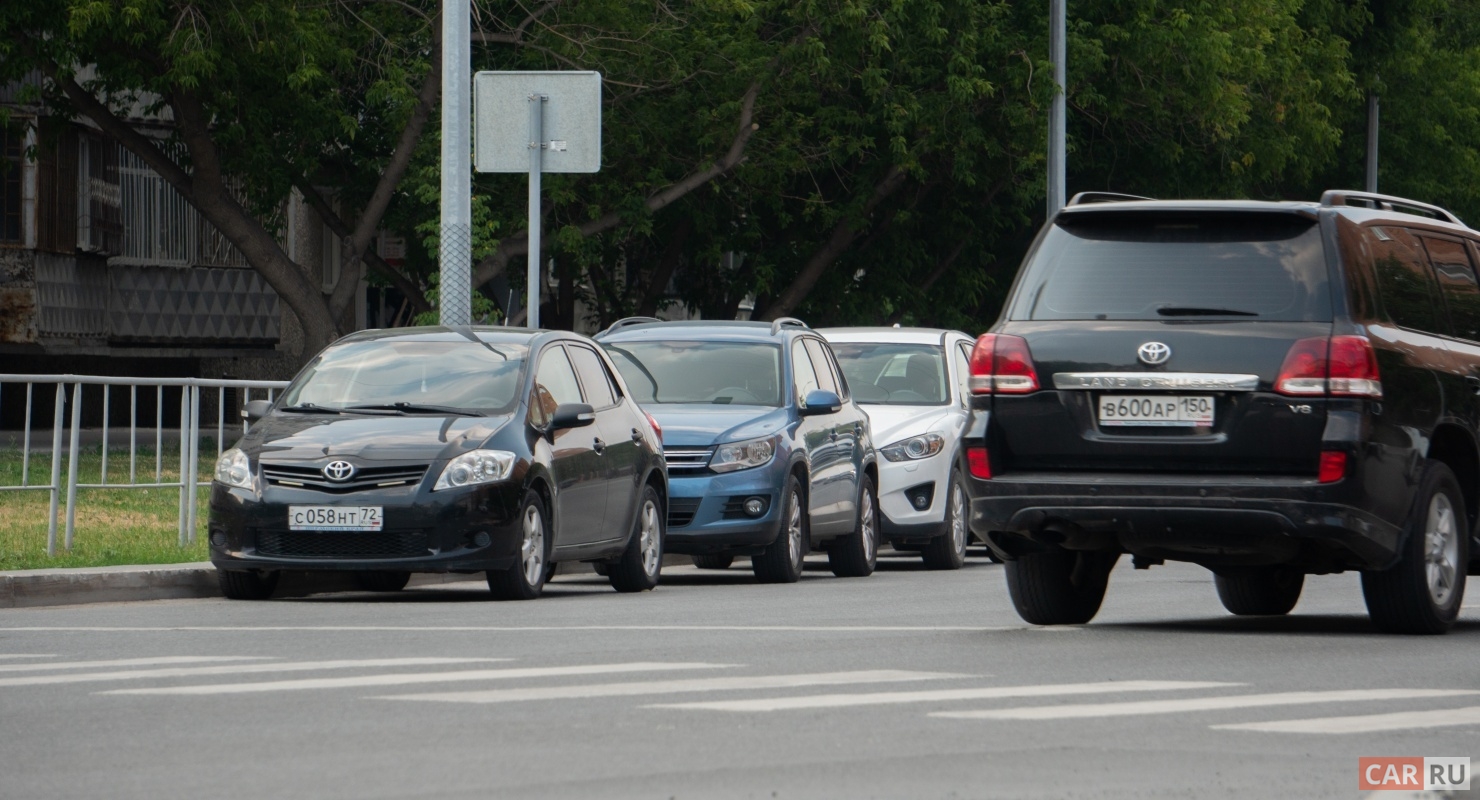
456,240
1056,111
1372,112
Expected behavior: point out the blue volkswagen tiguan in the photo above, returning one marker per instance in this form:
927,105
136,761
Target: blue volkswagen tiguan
768,455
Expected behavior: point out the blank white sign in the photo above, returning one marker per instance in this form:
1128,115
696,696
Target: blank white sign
572,120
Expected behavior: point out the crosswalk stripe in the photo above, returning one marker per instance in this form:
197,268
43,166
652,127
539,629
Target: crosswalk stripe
233,669
675,687
1370,723
938,695
125,662
400,679
1085,711
28,655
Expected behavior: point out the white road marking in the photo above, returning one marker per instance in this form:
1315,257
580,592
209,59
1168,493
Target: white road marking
28,655
234,669
1202,704
401,679
525,628
939,695
1371,723
125,662
674,687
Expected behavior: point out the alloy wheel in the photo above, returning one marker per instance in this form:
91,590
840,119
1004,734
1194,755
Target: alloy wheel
532,549
648,538
794,529
866,527
958,518
1441,549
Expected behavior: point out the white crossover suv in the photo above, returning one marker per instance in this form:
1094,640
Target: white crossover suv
912,384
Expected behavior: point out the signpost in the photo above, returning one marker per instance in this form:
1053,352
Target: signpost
536,122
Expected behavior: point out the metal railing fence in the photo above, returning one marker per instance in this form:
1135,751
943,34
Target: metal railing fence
189,393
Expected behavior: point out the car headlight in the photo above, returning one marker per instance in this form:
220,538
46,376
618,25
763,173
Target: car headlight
743,455
914,448
478,466
234,469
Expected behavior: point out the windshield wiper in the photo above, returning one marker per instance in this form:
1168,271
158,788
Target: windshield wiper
309,408
1196,311
415,408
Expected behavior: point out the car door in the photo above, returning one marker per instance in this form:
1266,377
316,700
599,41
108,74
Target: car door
577,469
848,428
618,441
815,432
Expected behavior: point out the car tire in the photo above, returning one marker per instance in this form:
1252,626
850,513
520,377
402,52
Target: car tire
948,550
1260,591
856,555
525,578
1059,587
382,580
642,560
601,568
782,560
246,584
714,561
1422,593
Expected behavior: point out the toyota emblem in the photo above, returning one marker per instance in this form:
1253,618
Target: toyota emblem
1153,353
339,470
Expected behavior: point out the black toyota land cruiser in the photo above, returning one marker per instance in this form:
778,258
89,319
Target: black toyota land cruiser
1269,390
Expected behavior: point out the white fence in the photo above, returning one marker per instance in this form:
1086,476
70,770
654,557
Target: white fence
189,393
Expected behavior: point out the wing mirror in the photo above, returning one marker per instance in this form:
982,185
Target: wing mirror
821,401
572,415
254,410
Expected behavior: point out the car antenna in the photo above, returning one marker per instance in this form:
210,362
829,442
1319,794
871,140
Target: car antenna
467,333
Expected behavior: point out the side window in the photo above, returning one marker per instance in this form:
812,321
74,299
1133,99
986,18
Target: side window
962,356
803,376
1457,283
1404,280
555,381
593,377
827,378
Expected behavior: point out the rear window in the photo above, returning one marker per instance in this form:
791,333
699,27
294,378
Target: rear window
1131,266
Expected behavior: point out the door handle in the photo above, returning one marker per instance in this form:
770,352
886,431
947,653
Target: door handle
636,435
598,445
1474,383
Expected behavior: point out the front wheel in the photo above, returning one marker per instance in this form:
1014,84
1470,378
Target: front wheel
948,550
1423,591
1261,591
1059,587
246,584
642,560
856,555
525,578
782,560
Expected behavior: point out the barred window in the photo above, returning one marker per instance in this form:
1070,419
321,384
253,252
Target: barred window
10,186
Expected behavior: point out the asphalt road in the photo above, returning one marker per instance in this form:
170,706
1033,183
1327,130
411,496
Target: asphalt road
906,684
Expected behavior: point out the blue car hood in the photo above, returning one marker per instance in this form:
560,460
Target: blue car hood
704,424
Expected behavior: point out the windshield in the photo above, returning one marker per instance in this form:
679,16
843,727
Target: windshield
894,374
700,372
1140,266
465,376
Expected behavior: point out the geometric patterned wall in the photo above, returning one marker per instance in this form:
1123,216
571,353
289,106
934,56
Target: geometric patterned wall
71,297
178,305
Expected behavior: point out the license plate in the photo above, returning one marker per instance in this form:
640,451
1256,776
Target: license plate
1166,411
334,518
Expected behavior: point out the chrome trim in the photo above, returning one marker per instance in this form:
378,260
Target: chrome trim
1157,381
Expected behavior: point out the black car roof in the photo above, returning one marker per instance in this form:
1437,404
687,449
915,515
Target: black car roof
1334,202
443,333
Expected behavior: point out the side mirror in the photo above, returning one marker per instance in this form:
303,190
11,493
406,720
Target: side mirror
572,415
821,401
254,410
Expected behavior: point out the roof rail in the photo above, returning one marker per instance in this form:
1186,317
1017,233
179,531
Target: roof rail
1386,202
625,321
781,322
1103,197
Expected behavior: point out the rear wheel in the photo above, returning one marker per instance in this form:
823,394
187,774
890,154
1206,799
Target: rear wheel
782,560
716,561
246,584
382,580
948,550
856,555
1423,591
1059,587
525,578
642,561
1266,591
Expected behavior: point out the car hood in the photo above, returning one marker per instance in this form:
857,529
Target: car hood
704,424
426,437
889,424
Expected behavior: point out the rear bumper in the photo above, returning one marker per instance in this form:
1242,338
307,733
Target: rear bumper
1214,521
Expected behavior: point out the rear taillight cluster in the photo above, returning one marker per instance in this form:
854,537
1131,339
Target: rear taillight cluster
1336,366
1001,364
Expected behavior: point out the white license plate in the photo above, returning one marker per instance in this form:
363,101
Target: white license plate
1165,410
335,518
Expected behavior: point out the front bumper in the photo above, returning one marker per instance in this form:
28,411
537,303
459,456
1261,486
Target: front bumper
898,482
1213,520
422,531
703,517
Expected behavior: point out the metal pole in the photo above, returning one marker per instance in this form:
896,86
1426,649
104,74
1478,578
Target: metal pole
536,169
1056,131
1372,112
72,460
194,464
56,468
455,292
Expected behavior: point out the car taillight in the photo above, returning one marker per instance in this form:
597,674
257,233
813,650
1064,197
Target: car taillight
979,462
1333,466
1338,366
1002,364
658,429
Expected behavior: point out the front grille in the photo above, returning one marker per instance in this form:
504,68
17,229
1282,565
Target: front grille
304,476
335,544
681,510
684,462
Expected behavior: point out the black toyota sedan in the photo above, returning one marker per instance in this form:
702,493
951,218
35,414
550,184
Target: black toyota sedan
437,449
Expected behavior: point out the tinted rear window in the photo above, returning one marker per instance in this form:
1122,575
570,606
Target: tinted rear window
1167,266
